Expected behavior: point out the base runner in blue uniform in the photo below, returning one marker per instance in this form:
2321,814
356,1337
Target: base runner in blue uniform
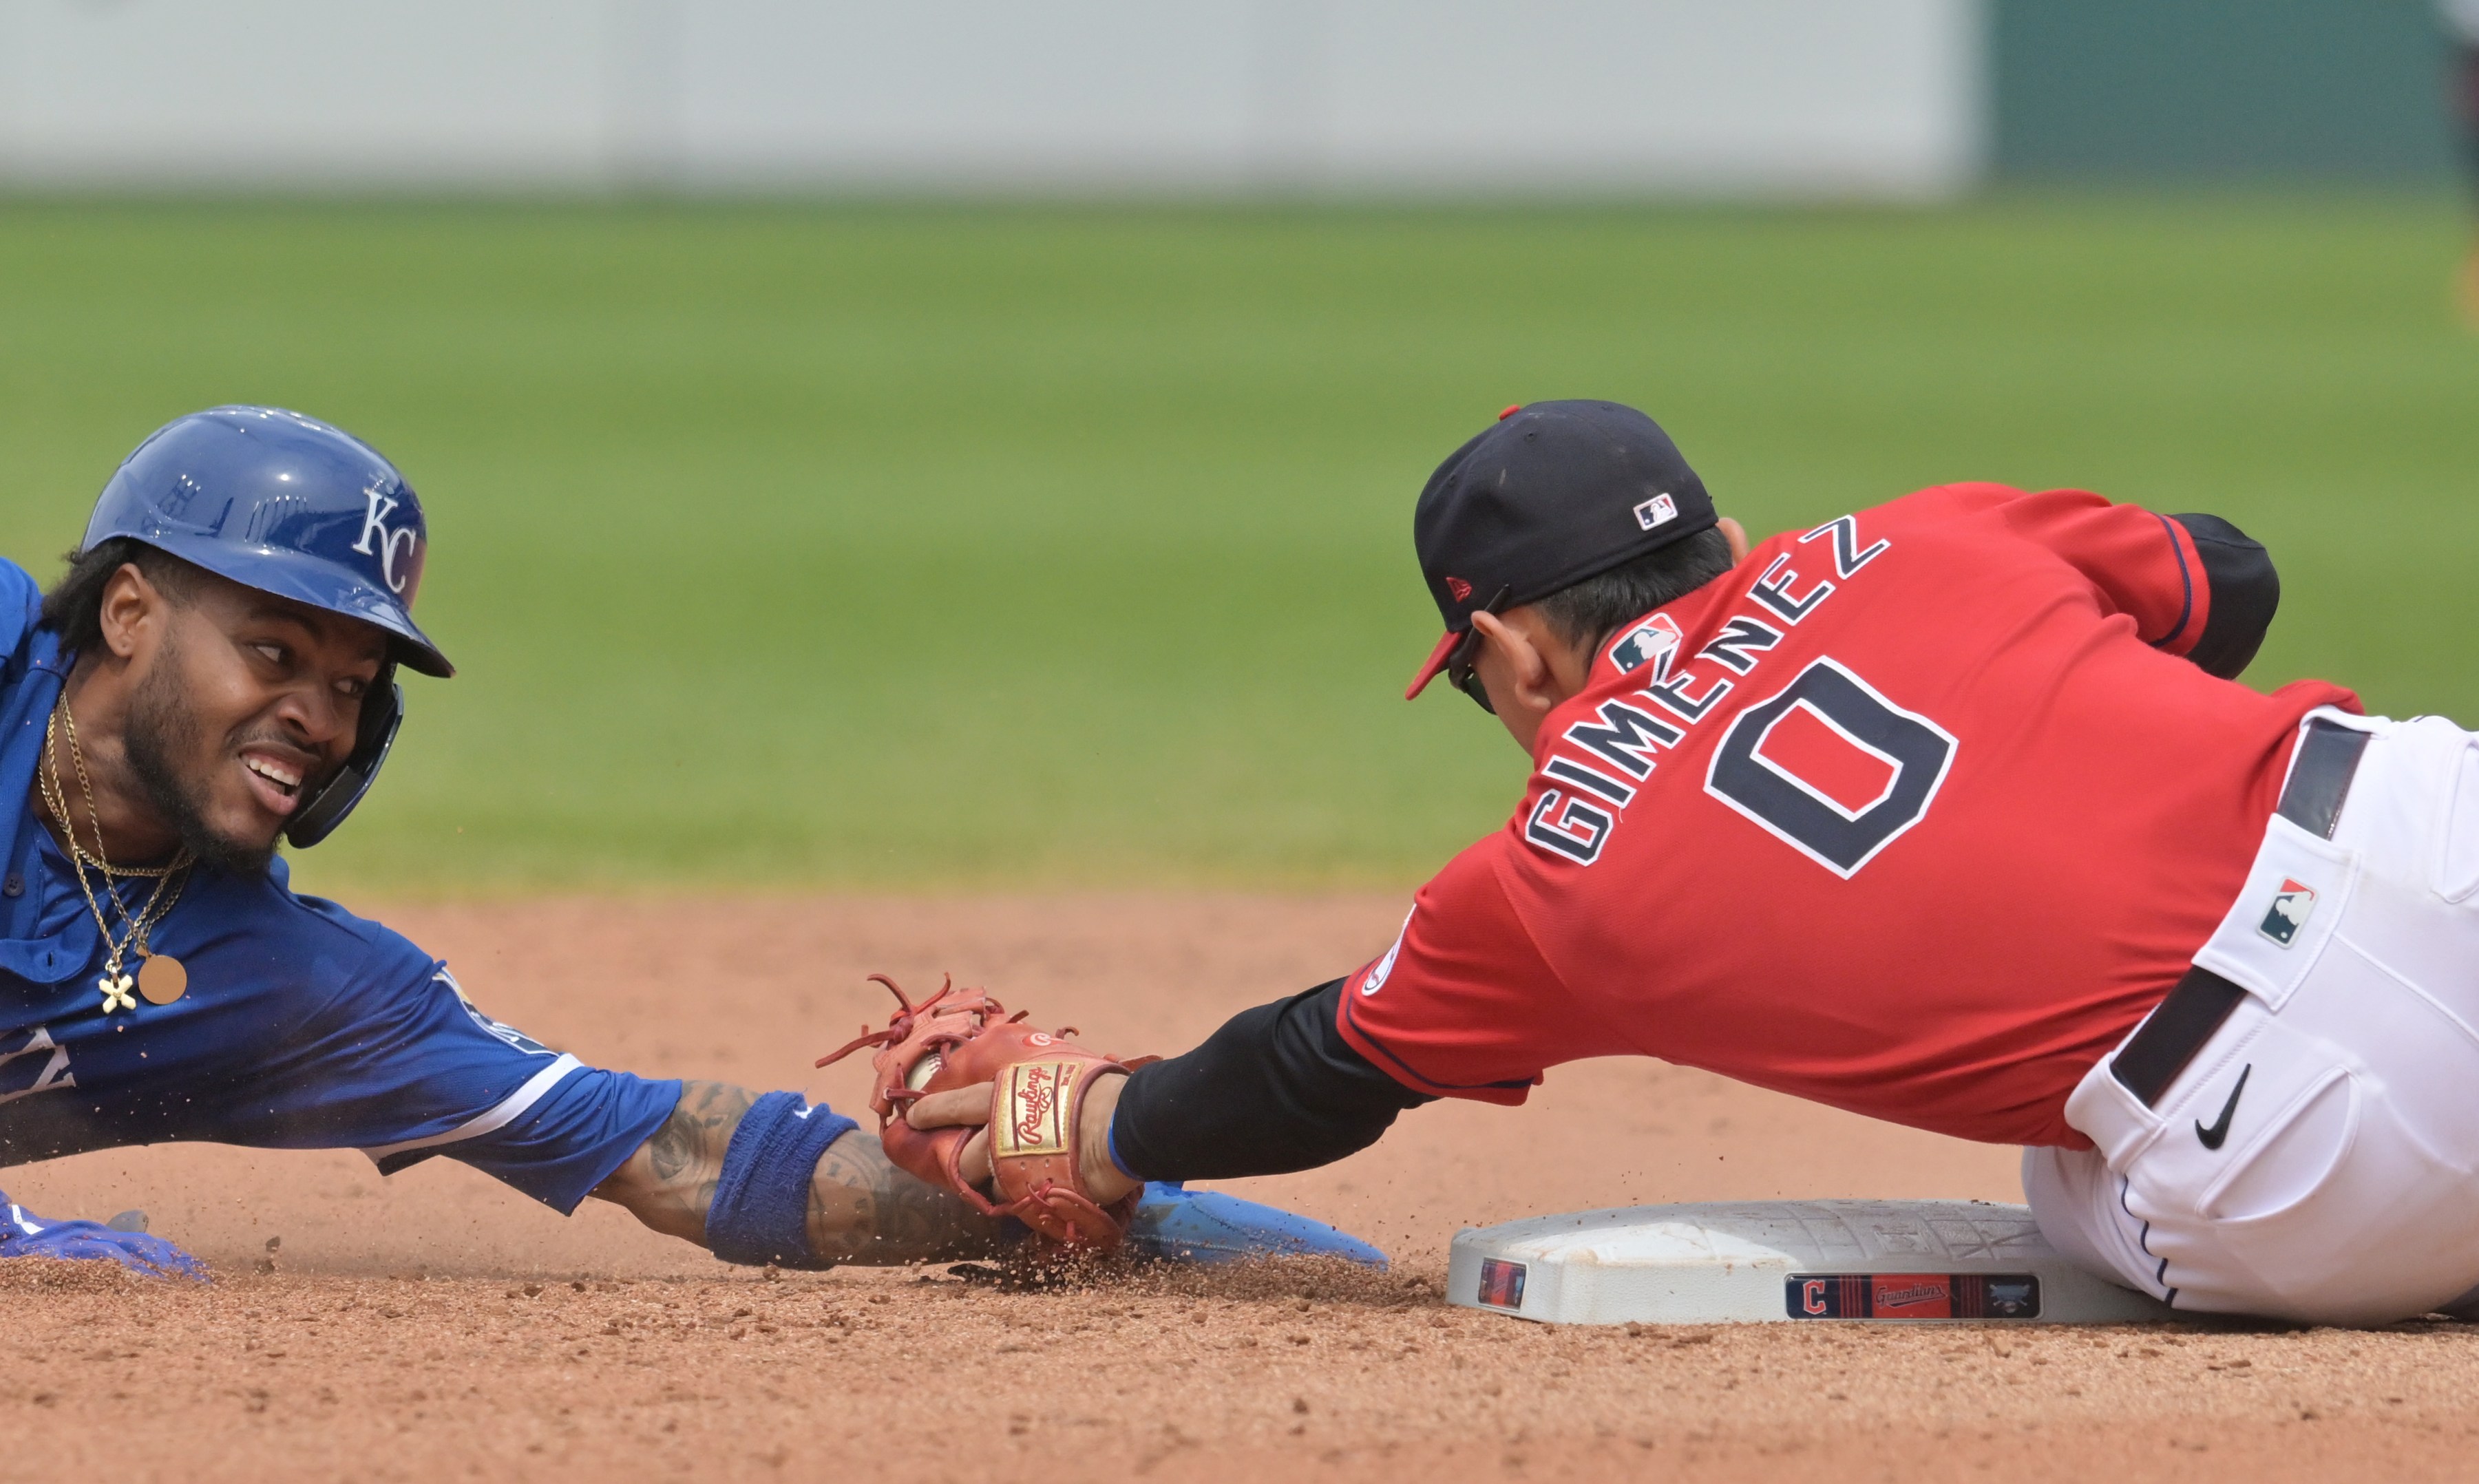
216,671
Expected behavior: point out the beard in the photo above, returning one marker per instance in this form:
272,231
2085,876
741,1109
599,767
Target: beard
161,727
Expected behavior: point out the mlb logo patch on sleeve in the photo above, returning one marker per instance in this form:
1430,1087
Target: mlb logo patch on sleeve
2290,906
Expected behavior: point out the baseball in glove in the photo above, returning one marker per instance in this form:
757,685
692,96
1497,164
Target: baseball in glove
960,1038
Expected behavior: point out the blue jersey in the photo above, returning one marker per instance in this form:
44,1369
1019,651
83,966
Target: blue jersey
304,1027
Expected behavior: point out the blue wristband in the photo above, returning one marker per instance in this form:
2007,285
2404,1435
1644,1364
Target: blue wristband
1111,1142
761,1199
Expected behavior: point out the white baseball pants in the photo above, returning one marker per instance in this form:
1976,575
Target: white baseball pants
2318,1158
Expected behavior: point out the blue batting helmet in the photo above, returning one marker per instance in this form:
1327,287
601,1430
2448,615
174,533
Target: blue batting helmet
283,503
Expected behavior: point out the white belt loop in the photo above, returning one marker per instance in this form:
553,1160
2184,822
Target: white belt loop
2114,1118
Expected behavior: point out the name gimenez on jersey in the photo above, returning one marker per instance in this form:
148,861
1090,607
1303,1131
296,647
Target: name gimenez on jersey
1609,755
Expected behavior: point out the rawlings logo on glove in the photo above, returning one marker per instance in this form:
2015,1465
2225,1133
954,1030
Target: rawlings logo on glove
956,1038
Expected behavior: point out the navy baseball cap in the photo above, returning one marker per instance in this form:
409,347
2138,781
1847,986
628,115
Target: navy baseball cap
1550,494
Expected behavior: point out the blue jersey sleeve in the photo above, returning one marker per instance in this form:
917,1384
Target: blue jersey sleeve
403,1066
489,1096
570,1142
303,1028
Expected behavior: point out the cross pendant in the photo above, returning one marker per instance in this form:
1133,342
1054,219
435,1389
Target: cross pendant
117,993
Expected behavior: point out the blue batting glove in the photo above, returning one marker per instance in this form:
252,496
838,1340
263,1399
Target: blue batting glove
23,1233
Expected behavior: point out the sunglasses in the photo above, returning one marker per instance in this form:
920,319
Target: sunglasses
1463,671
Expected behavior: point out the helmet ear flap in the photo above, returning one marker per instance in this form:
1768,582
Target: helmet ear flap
382,713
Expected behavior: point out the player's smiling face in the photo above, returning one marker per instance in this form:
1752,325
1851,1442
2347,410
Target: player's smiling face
239,707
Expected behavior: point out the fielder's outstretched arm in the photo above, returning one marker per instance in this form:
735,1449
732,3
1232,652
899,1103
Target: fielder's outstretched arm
1276,1090
858,1207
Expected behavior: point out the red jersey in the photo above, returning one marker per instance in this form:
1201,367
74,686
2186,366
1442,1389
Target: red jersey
1916,814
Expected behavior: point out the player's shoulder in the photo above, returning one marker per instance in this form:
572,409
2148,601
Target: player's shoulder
1946,522
1838,548
21,604
312,929
1945,501
1472,875
2009,503
1470,903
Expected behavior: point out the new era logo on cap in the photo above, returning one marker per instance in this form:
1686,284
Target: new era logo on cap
2290,905
1660,510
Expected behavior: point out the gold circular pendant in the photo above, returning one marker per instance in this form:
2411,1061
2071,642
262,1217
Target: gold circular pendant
161,978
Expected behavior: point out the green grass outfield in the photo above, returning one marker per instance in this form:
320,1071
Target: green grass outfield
936,545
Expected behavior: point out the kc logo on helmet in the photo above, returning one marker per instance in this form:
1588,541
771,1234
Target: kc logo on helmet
392,545
2290,906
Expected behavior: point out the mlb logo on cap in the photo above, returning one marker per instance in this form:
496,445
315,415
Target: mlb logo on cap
1660,510
2290,905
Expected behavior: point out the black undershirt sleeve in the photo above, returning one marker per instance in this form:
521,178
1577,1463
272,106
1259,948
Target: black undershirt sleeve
1276,1090
2238,572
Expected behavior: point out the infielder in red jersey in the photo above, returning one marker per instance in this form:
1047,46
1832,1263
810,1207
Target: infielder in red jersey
1949,813
1916,813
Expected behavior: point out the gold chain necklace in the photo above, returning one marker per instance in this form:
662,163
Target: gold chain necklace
165,979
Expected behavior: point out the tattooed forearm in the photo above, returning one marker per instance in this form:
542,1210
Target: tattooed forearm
864,1210
861,1207
669,1182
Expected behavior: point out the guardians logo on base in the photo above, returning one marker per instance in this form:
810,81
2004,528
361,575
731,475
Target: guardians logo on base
1502,1283
1909,1295
2290,906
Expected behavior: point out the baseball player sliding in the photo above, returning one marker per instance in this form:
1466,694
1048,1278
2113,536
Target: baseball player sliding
217,671
1949,813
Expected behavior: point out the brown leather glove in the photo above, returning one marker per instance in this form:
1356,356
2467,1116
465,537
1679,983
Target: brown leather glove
958,1039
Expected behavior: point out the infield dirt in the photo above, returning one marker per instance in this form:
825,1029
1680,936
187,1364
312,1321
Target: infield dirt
435,1326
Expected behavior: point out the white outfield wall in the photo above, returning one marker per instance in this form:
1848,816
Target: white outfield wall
1726,98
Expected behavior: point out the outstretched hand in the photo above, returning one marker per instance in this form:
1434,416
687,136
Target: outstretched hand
23,1233
1020,1098
970,1108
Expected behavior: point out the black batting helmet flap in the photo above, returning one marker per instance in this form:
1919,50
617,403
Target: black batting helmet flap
1550,494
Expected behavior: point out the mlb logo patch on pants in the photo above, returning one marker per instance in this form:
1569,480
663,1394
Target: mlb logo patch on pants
2290,906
